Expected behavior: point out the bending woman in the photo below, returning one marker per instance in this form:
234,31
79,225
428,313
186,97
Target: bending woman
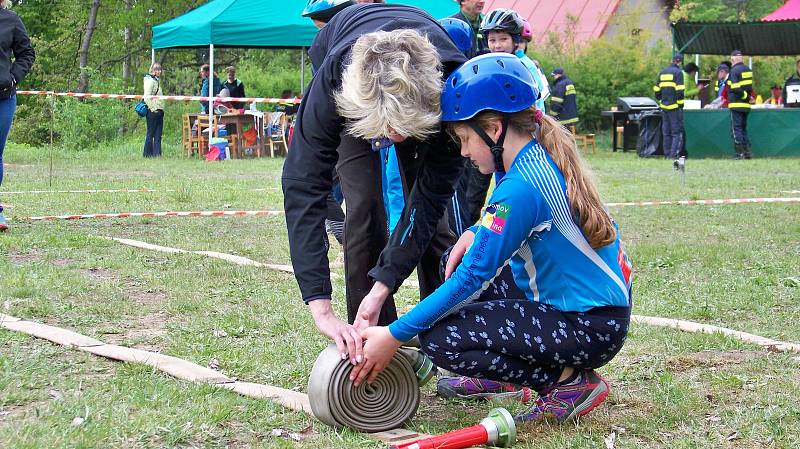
546,220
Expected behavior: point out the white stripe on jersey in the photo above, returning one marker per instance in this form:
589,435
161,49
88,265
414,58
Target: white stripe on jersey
537,170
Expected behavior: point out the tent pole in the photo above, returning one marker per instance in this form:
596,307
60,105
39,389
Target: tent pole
697,63
152,56
750,63
210,94
302,68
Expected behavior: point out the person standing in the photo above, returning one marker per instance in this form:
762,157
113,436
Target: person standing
722,80
538,76
379,74
792,83
235,87
740,96
669,90
205,71
14,43
563,102
471,12
155,111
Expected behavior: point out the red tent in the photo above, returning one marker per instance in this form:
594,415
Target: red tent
789,11
553,15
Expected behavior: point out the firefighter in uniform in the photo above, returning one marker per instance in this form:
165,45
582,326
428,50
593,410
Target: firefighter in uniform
669,90
740,93
563,103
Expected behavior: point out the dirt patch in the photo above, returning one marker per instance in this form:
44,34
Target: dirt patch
709,359
148,297
14,411
61,262
23,259
141,332
98,274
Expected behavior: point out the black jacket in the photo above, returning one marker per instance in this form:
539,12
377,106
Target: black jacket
14,42
236,89
793,80
740,87
669,88
563,102
312,153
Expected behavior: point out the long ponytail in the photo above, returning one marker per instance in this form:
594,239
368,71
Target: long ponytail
584,199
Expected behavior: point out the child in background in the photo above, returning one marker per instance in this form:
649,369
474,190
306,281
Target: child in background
547,222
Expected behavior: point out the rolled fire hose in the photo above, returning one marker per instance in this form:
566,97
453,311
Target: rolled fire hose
387,403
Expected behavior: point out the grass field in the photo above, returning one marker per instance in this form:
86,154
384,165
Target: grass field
736,266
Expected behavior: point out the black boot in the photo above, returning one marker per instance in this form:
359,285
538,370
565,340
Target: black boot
748,153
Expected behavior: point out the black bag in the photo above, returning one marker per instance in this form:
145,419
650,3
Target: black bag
649,143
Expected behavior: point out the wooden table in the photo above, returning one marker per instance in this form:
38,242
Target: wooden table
256,118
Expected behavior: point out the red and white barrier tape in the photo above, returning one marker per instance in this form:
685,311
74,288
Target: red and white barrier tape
161,97
707,202
206,213
40,192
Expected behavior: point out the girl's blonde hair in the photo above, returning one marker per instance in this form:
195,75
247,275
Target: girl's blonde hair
393,81
584,199
5,4
153,66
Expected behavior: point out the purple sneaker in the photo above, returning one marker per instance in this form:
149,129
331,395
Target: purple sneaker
471,388
569,401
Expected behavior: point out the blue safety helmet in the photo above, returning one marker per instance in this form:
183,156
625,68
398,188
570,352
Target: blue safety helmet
324,10
491,82
460,32
494,81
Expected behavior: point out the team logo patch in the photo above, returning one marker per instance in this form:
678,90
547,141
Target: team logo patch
495,217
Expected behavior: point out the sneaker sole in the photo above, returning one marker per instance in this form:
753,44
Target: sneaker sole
596,398
3,227
450,394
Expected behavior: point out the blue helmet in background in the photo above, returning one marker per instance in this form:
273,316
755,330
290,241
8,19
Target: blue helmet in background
460,32
324,10
494,81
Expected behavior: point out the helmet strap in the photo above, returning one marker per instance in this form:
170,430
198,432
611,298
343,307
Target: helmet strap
495,147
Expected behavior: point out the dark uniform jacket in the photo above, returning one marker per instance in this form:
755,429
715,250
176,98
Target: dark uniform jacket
669,88
740,87
479,45
312,154
563,103
236,89
793,80
14,42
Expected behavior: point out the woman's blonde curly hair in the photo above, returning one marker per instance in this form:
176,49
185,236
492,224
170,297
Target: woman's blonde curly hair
392,82
5,4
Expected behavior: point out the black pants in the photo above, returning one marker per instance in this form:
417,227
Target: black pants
365,226
152,140
476,192
672,130
739,126
458,210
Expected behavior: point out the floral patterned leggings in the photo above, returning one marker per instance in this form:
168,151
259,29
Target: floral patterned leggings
523,342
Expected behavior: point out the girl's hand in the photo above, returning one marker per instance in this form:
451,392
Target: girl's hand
379,349
457,253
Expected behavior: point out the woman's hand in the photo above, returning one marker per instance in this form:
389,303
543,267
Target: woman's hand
347,338
379,349
457,253
370,307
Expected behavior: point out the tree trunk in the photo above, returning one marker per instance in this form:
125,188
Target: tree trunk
83,52
126,40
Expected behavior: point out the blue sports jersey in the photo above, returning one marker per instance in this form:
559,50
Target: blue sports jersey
529,224
538,78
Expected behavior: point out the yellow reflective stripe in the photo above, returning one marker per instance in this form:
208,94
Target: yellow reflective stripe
739,105
745,83
570,89
568,121
667,77
747,75
656,88
667,84
553,113
557,99
669,107
681,101
680,87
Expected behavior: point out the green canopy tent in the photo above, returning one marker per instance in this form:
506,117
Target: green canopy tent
256,24
771,130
